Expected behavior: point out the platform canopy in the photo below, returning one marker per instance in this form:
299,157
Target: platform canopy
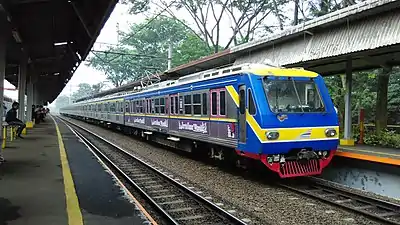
54,36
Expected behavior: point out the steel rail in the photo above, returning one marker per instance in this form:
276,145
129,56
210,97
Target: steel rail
223,214
370,207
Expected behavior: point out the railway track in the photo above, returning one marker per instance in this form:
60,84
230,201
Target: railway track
174,202
370,207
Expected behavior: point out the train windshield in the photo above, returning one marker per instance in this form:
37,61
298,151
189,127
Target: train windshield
293,96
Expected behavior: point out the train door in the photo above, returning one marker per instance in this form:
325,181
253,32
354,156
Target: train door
242,114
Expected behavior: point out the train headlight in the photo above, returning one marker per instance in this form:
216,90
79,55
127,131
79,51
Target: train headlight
276,158
272,135
330,132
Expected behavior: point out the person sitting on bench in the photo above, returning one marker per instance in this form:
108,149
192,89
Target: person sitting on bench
11,119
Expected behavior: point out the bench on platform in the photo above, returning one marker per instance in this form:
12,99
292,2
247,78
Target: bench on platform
13,133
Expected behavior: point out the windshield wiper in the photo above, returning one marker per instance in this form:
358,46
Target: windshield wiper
297,94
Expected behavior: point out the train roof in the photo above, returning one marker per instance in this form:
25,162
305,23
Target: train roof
257,69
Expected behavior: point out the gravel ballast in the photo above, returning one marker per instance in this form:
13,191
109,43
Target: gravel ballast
270,204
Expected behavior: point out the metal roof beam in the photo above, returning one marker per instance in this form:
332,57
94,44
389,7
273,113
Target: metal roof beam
19,2
83,23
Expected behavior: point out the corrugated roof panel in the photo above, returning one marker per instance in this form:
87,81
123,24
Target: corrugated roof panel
364,35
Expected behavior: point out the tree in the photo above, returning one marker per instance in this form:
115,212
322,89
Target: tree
84,90
146,50
245,15
62,101
116,63
97,88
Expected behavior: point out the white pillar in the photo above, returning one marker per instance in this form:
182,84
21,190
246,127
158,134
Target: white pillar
30,99
348,138
3,41
21,89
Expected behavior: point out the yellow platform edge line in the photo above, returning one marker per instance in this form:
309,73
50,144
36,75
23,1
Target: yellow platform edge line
343,148
140,206
73,208
378,159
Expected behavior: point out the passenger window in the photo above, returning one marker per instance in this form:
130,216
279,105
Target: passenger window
157,105
127,107
188,104
252,106
197,104
222,106
242,101
180,105
171,103
214,103
204,103
162,105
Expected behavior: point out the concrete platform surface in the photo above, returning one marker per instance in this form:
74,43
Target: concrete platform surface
37,186
371,153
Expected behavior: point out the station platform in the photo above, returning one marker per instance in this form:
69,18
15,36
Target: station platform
51,177
377,154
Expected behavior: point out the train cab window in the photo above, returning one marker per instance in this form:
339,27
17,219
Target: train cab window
196,104
204,103
162,105
251,105
222,105
242,102
188,104
214,103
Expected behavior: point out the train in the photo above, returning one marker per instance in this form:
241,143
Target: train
284,118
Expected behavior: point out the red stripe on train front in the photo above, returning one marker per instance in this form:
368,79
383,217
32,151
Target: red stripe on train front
292,168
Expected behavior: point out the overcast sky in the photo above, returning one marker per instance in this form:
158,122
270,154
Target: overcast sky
122,19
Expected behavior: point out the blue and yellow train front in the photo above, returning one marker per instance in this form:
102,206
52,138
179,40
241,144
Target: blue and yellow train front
291,122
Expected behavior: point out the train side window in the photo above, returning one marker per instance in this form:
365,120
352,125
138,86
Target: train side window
252,106
180,104
166,105
196,104
157,105
188,104
222,105
148,106
205,104
242,101
152,106
214,103
141,106
176,105
162,105
171,103
127,107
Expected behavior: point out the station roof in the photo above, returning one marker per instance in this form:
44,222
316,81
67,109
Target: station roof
55,36
228,57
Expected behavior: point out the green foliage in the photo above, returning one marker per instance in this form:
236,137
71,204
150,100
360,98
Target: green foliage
146,50
208,17
84,90
385,138
190,49
62,101
116,63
